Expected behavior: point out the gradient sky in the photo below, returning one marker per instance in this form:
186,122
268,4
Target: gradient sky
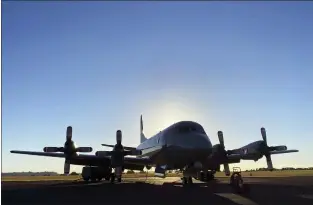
231,66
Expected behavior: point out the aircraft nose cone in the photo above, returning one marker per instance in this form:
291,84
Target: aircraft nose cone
190,141
203,141
196,141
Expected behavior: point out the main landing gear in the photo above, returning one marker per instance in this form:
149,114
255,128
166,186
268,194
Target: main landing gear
206,177
187,180
93,174
117,174
112,178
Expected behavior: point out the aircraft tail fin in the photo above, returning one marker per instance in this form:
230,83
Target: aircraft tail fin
142,136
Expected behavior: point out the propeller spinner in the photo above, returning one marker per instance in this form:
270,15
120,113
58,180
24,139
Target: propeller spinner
69,149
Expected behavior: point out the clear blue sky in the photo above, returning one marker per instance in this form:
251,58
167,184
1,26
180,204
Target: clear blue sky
98,65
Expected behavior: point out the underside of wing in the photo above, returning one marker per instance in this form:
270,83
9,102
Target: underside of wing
125,147
47,154
92,160
139,161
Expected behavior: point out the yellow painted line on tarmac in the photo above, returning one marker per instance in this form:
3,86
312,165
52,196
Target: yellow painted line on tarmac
237,198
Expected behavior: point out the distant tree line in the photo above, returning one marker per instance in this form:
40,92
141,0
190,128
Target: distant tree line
282,169
30,174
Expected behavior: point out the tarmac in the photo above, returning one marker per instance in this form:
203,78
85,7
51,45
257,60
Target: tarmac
262,190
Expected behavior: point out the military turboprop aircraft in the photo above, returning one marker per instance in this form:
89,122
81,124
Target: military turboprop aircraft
183,145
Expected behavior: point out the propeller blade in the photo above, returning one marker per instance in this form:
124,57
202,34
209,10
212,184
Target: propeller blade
269,162
119,136
51,149
226,169
67,167
263,133
84,149
221,138
69,133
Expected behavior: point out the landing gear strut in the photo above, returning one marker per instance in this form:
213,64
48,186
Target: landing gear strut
117,174
187,180
93,174
206,177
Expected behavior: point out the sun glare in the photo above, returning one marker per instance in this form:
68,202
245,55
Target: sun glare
169,111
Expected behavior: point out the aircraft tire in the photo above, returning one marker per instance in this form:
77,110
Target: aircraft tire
93,179
202,178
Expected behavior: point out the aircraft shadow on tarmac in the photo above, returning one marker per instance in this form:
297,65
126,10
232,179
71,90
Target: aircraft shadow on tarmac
144,193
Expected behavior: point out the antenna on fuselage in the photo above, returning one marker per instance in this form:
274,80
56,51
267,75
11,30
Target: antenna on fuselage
142,136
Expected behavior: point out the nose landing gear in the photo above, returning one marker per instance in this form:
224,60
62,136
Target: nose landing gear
187,180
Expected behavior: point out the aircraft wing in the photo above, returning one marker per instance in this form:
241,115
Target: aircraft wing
125,147
93,160
245,155
284,151
60,155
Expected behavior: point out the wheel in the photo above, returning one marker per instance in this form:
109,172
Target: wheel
99,178
184,180
209,176
107,178
202,176
93,179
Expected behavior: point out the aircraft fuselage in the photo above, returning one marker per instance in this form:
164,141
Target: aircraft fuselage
178,145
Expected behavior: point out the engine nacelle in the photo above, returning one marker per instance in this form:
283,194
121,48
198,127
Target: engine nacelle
280,148
84,149
102,153
52,149
136,152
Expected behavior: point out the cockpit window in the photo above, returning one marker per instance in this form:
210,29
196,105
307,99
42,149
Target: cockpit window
185,129
190,128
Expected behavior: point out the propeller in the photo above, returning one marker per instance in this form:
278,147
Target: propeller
265,149
69,149
221,140
122,149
